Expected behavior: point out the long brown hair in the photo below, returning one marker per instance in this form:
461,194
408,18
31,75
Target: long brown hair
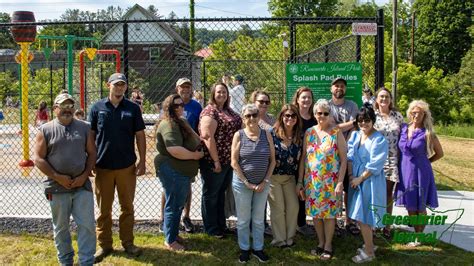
212,100
297,95
169,113
279,127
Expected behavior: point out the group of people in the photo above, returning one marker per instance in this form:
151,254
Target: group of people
306,161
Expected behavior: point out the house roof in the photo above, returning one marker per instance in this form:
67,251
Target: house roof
165,26
204,52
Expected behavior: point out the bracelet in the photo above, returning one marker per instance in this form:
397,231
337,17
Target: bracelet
266,180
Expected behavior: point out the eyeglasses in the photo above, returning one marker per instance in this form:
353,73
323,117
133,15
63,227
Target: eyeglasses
263,102
322,113
366,120
66,105
254,115
176,105
292,116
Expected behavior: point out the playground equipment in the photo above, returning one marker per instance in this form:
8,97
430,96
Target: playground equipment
91,53
70,39
24,35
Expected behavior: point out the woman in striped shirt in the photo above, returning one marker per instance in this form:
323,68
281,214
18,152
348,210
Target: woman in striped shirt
253,160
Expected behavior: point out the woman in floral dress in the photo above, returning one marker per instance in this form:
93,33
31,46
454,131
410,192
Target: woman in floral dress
388,122
323,167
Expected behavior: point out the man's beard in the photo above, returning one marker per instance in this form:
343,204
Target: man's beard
339,94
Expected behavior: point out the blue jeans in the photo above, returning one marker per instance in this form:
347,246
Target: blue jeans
81,205
176,188
250,206
214,186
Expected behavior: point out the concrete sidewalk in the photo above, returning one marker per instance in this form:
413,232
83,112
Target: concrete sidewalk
461,233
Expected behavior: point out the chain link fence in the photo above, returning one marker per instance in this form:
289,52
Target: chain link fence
154,54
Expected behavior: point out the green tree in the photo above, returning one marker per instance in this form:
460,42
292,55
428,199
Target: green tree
302,8
442,38
8,86
6,40
431,86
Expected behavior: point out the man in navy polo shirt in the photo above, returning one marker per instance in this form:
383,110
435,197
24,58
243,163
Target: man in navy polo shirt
116,122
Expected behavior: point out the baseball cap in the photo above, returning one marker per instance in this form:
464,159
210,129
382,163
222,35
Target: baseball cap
334,81
181,81
117,77
239,78
62,98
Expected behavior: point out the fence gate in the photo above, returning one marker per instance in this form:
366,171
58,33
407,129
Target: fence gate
154,54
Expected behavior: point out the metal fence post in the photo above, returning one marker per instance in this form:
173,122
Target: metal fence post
358,48
125,54
51,87
204,80
379,41
292,41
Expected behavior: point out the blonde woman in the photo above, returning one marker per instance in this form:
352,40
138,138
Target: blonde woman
388,122
419,147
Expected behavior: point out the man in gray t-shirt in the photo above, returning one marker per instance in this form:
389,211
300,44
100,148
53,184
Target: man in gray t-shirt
343,111
65,152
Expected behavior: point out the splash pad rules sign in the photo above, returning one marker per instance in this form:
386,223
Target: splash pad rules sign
318,77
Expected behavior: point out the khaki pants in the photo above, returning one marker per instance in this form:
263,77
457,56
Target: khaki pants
283,209
105,183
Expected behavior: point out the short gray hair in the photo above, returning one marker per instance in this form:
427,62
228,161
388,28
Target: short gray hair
250,107
323,104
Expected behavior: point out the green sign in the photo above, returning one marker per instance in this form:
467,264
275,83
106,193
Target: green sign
318,77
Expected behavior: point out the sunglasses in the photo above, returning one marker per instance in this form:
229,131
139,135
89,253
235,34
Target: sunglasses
293,116
66,105
263,102
254,115
176,105
322,113
367,120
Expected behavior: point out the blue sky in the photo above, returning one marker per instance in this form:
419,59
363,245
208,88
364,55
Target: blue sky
52,9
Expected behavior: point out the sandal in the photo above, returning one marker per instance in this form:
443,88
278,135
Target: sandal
362,258
353,229
317,252
359,250
179,239
326,255
413,244
175,246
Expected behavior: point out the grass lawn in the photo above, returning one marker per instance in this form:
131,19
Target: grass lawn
455,171
204,250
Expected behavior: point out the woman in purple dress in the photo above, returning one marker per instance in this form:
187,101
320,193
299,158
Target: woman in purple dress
419,147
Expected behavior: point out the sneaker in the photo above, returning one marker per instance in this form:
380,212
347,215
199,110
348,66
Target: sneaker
305,230
188,225
101,254
262,257
160,226
133,250
244,256
268,231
